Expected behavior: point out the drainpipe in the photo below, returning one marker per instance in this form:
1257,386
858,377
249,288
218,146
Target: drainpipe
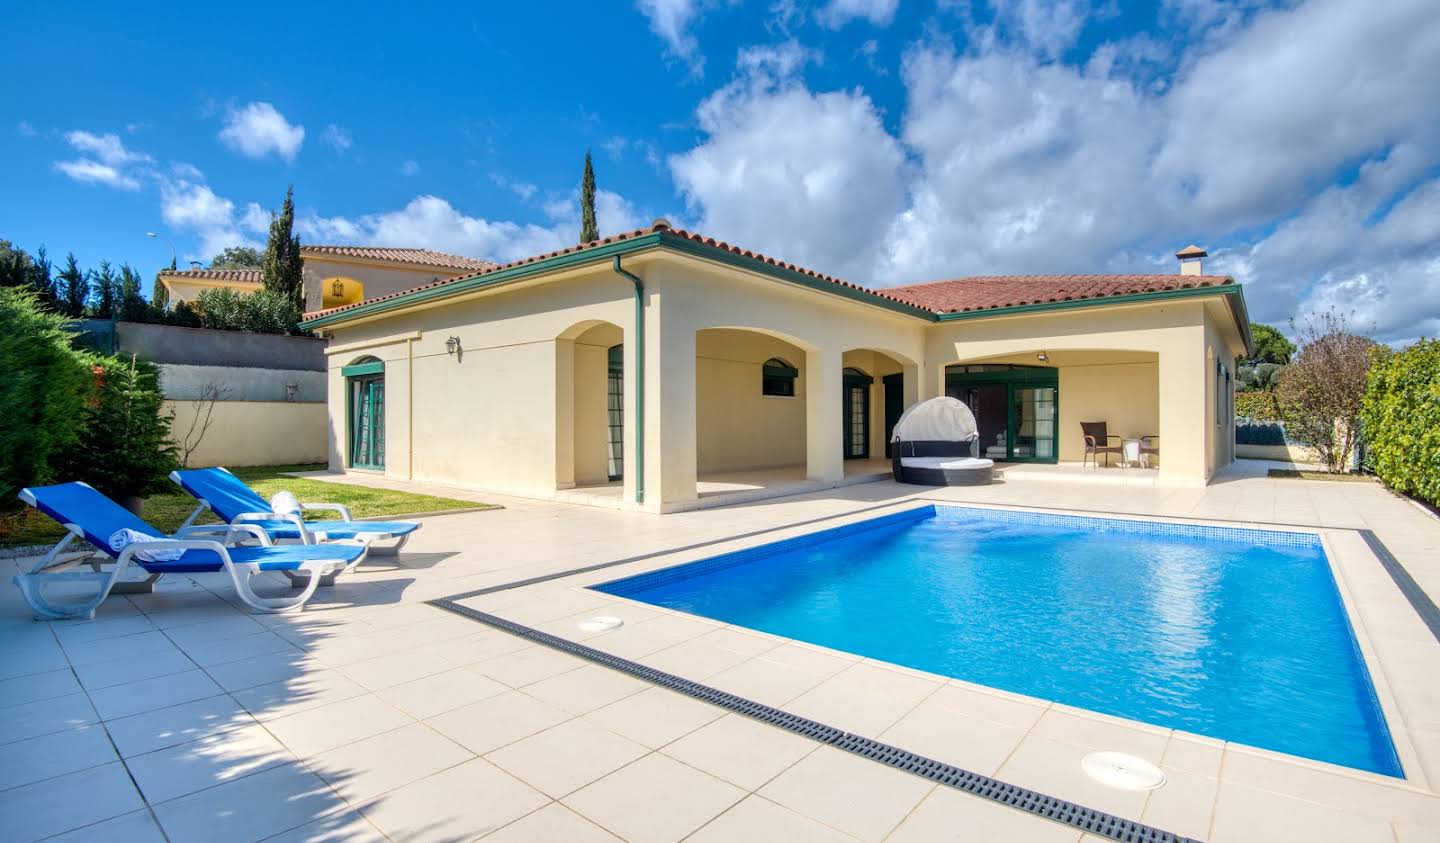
639,377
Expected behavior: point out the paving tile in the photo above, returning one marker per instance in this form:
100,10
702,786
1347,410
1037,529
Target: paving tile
134,827
44,808
43,717
553,822
75,633
527,666
262,670
1194,754
47,756
149,694
249,808
586,689
398,668
324,728
222,650
654,799
344,827
1184,805
1053,768
949,814
226,626
742,751
765,681
97,675
863,699
461,803
316,689
847,792
695,659
441,692
20,661
940,732
38,686
1098,732
655,717
756,818
126,648
566,757
491,723
212,760
367,768
1243,813
142,733
990,704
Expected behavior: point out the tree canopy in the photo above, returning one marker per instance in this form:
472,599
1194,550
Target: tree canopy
283,270
588,229
238,257
1271,346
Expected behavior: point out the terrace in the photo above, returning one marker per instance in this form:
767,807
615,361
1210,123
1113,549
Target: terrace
374,714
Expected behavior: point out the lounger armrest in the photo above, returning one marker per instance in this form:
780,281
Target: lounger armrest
336,507
305,535
231,532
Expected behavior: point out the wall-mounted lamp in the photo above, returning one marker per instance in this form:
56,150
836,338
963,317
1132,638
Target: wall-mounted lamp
1042,357
452,345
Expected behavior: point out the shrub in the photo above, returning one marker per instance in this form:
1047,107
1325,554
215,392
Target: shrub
43,386
124,448
1259,432
263,312
1401,418
1321,391
1257,405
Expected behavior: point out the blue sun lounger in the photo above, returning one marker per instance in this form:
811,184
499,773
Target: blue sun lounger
92,517
233,502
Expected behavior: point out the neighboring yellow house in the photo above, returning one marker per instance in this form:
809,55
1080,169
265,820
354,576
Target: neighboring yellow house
654,359
335,274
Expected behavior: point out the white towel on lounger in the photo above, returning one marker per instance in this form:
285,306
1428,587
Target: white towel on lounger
285,503
123,537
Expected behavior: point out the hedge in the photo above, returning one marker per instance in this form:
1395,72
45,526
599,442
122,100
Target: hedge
1259,432
1259,405
1401,419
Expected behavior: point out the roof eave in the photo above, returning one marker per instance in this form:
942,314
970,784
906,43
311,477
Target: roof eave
1232,291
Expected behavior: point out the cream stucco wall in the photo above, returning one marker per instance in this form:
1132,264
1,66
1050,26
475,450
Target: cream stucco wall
522,407
189,289
378,278
253,432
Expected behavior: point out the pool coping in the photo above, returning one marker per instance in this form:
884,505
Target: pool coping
1415,781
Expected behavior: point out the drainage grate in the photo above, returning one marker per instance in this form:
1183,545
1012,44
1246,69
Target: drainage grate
1089,820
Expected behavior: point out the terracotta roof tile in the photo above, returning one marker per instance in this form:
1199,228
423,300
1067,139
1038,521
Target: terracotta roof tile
249,276
961,294
419,257
987,292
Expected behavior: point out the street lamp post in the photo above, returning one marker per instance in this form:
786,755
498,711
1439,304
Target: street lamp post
174,261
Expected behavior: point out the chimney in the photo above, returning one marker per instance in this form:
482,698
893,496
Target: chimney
1191,260
194,265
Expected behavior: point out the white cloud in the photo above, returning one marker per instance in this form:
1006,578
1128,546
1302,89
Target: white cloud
430,222
257,130
25,129
522,189
1048,27
256,219
670,20
808,177
336,137
409,168
195,208
837,13
93,172
104,160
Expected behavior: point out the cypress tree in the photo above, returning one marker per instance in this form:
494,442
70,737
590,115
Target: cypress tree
132,305
41,279
588,230
73,288
159,295
282,271
107,292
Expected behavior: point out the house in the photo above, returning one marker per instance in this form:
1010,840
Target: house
335,275
646,362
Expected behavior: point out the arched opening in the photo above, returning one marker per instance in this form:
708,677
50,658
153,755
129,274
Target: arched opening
590,404
365,413
874,389
750,405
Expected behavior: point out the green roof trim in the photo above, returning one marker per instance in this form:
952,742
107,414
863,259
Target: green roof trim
684,245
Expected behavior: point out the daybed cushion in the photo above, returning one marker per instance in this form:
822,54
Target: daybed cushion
946,463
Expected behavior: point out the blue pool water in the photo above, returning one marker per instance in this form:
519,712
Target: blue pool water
1236,634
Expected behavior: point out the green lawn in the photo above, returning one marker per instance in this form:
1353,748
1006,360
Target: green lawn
167,511
1342,477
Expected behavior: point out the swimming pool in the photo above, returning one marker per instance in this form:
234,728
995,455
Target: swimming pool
1237,634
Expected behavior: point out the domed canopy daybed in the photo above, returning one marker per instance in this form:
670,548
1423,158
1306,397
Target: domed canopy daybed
936,443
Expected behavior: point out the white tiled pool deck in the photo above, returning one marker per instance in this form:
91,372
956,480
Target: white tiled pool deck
371,715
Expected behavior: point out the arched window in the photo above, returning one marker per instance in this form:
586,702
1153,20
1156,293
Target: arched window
778,378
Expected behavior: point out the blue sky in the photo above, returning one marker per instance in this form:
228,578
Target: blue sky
885,141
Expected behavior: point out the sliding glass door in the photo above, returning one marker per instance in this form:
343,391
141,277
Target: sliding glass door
1016,408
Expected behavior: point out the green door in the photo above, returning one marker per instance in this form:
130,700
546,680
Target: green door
1016,408
615,407
894,405
367,422
857,414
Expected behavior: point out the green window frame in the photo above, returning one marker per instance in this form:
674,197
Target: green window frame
365,414
1039,384
777,378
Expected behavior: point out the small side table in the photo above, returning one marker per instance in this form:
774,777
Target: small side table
1130,452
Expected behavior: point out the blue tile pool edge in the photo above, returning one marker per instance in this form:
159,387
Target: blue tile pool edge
626,587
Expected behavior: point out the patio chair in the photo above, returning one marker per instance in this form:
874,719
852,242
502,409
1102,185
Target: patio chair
1097,442
227,496
88,515
1149,447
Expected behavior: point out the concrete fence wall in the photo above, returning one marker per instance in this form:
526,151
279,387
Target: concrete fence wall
251,432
